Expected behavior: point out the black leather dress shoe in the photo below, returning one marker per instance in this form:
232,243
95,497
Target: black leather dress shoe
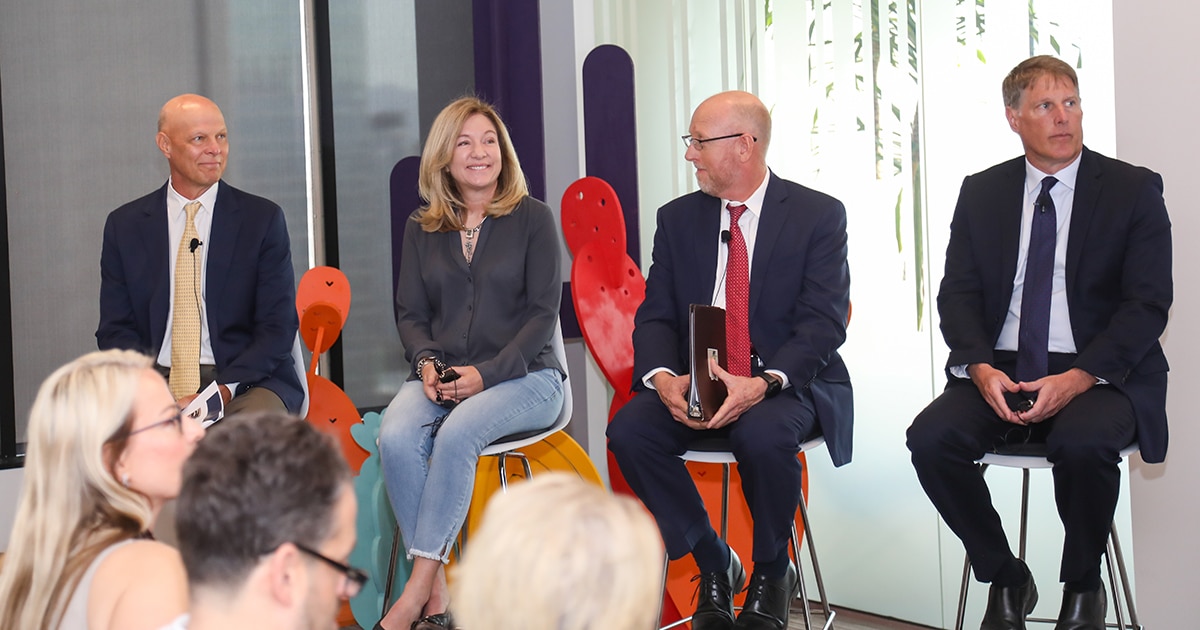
1083,611
768,601
714,610
1009,605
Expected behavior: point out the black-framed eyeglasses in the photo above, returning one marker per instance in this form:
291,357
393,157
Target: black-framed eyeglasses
689,141
176,420
355,578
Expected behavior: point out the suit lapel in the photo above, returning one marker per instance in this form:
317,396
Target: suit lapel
154,236
707,224
1010,204
770,226
222,237
1088,183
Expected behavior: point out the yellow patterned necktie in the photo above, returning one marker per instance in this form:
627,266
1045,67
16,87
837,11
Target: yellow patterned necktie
185,321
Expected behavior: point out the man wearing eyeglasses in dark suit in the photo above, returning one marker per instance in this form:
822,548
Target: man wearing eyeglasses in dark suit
266,521
773,254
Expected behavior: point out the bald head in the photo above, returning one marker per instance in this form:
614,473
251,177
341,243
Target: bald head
193,138
744,111
734,131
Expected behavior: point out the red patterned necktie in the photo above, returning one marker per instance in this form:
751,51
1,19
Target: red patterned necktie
737,297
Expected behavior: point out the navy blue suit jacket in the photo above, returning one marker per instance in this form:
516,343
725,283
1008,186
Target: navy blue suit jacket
799,295
1119,286
250,288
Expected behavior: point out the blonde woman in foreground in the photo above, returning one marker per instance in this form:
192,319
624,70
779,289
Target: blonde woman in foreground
559,553
106,450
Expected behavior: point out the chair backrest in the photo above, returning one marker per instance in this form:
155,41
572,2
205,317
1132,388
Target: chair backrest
520,440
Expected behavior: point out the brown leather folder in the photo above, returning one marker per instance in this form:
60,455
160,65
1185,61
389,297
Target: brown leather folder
706,336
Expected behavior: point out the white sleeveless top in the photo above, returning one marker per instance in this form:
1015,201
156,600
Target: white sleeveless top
75,616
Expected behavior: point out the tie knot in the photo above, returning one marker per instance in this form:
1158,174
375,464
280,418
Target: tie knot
191,209
1047,183
735,212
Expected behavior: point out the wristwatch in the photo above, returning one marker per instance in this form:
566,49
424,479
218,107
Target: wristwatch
774,385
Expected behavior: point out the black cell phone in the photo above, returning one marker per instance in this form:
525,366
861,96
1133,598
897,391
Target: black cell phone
1020,401
448,375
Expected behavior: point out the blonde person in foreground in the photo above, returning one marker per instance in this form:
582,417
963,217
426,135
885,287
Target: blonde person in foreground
559,553
106,449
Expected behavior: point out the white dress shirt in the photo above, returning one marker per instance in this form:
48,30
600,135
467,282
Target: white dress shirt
1063,195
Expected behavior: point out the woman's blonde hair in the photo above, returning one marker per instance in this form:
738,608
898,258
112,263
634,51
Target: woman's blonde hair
559,553
436,185
71,506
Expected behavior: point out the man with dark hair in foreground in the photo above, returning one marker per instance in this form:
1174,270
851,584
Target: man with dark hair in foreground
266,523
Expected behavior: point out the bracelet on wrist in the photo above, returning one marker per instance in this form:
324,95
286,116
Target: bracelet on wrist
423,362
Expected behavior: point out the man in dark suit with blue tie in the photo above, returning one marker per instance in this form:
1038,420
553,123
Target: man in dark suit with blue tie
773,254
240,288
1057,288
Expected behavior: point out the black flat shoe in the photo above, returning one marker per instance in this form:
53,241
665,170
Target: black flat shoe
440,621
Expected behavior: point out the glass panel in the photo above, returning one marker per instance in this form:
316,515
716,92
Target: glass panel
83,85
373,51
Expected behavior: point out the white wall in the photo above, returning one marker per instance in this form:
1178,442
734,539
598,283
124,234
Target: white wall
1157,127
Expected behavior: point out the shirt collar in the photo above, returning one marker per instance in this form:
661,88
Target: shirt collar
207,199
755,203
1065,176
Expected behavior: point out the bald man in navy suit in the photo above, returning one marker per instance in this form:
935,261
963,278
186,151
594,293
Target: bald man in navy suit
1069,357
796,386
248,293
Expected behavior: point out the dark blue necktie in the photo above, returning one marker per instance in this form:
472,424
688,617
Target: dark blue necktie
1033,339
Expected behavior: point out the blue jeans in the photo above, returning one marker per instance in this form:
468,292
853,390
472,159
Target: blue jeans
430,479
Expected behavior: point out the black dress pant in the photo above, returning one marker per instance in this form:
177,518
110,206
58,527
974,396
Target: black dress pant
647,443
1083,441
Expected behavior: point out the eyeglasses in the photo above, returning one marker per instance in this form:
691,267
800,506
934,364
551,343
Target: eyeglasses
689,141
176,420
355,578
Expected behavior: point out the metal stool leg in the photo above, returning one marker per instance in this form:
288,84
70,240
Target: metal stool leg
800,576
725,502
1024,513
391,574
1114,553
962,594
1112,580
812,553
503,457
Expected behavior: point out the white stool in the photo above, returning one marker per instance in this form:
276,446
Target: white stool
716,451
1030,456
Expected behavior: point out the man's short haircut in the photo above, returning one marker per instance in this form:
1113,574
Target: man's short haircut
1030,70
255,482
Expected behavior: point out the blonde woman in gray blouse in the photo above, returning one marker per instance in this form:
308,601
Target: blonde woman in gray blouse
478,299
